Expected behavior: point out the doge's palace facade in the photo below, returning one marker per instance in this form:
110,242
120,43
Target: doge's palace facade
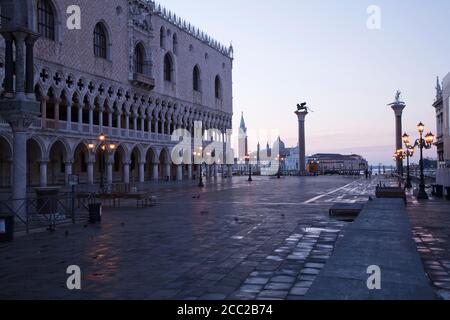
134,72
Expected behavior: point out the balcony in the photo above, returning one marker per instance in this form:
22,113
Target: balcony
143,81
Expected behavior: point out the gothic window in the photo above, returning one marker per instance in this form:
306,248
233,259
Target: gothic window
46,19
196,79
162,37
218,88
100,41
175,43
139,59
168,68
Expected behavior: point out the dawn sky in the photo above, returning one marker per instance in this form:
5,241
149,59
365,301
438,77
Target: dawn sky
322,52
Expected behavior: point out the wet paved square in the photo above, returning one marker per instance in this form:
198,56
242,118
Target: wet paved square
233,240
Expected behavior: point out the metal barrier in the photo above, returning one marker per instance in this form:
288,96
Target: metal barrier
35,213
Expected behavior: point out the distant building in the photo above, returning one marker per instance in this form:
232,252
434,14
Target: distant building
442,107
292,159
336,163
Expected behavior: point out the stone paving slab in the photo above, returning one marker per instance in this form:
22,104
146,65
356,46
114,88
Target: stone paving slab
381,236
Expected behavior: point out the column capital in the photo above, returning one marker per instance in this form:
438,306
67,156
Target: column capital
301,115
19,122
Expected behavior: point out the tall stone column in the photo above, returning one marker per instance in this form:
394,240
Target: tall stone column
18,109
301,115
43,166
69,170
126,172
9,65
20,65
90,172
29,86
109,171
141,172
155,171
190,171
179,172
398,106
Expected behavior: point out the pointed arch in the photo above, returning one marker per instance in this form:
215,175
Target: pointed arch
196,79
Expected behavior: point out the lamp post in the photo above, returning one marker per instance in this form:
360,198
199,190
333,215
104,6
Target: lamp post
408,154
422,143
200,176
104,148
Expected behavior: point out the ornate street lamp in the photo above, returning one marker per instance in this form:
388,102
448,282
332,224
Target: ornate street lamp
407,154
104,148
422,143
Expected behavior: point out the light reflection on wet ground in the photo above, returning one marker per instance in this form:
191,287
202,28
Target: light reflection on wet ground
233,240
431,229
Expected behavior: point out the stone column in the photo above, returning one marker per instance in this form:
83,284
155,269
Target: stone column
141,172
135,123
91,119
109,171
127,125
190,171
119,122
20,64
126,172
9,65
179,172
29,87
69,116
69,170
110,121
302,140
56,106
398,107
80,117
90,172
43,165
19,181
44,112
100,120
155,171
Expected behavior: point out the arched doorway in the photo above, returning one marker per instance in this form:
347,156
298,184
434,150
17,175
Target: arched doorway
149,165
119,159
164,165
81,157
134,164
56,173
5,163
